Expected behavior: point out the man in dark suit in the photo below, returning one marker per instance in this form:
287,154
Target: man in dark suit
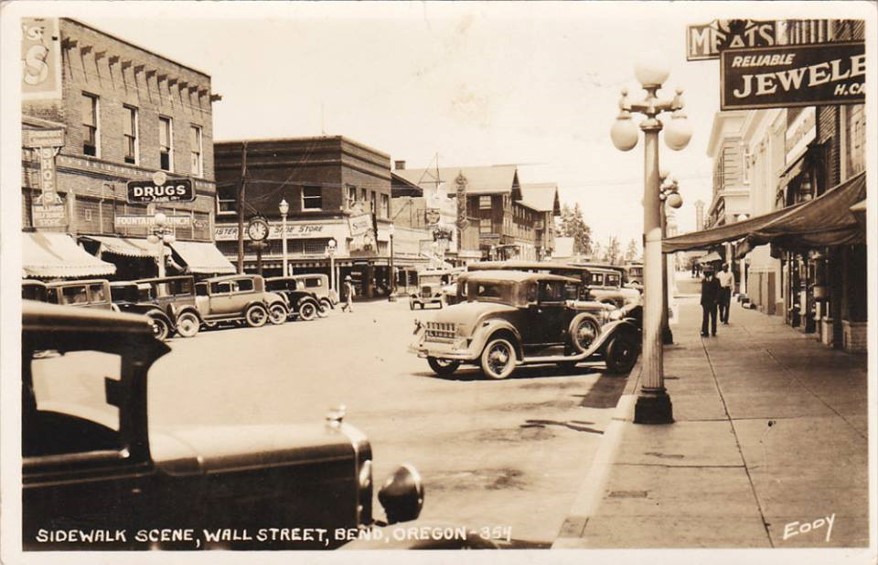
710,295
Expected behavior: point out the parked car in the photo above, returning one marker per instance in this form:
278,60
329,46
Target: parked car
601,283
319,285
510,318
137,298
239,298
303,304
92,467
34,290
93,293
175,296
430,287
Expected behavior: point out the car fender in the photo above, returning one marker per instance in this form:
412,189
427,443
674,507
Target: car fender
612,329
487,328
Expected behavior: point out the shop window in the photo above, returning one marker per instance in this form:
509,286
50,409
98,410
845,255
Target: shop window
90,124
312,198
195,151
129,134
165,146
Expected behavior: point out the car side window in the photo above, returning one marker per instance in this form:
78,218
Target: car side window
97,293
244,285
224,287
74,295
531,295
67,409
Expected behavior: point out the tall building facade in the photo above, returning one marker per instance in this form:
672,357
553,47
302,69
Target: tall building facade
97,114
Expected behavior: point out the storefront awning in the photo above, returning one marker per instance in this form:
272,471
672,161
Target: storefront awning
202,258
127,247
56,255
823,221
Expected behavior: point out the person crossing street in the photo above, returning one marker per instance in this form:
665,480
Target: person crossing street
347,295
710,295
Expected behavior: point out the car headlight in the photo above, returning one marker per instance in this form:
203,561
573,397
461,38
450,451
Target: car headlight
402,495
616,315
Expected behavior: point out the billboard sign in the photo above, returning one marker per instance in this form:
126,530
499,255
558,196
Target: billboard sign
795,75
40,59
707,41
144,192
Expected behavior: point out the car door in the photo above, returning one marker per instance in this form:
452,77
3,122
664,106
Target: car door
545,314
221,298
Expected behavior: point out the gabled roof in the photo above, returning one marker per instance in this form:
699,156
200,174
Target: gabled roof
401,186
542,197
496,179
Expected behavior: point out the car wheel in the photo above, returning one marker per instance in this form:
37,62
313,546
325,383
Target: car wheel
160,328
583,330
277,314
324,307
498,358
308,311
188,324
256,316
443,367
621,354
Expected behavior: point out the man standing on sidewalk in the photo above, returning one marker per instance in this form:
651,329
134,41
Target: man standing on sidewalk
710,294
725,279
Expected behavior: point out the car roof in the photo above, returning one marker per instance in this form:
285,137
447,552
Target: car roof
41,316
514,276
228,278
77,281
163,279
517,264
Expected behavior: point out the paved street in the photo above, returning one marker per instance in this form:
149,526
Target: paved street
492,453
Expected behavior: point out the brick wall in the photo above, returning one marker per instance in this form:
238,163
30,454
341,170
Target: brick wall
855,336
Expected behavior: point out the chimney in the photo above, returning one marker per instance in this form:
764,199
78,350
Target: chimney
399,165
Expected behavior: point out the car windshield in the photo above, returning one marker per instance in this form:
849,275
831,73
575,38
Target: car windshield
489,291
69,390
173,287
431,279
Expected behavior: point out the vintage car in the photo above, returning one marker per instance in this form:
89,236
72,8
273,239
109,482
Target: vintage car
94,293
239,298
137,298
303,304
601,283
510,318
319,285
430,287
175,296
95,476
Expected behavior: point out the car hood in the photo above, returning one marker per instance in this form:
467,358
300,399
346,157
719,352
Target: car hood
212,449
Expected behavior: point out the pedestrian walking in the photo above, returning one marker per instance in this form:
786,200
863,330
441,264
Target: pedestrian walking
725,278
710,294
347,295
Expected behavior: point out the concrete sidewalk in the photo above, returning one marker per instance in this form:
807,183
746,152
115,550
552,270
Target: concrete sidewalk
768,449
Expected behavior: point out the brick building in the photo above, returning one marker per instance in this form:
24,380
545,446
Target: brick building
338,190
99,112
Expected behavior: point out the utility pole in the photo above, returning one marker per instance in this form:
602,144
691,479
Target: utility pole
240,208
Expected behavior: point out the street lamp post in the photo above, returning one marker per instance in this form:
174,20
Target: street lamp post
330,252
653,403
284,208
670,196
159,236
391,296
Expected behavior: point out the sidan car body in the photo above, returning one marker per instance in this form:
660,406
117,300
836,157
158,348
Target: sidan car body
303,304
96,476
509,318
239,298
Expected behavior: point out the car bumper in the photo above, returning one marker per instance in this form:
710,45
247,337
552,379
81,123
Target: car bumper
460,350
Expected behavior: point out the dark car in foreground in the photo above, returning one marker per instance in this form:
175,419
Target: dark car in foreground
511,318
95,476
303,304
134,298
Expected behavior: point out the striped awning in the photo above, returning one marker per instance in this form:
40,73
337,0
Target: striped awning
56,255
125,246
202,258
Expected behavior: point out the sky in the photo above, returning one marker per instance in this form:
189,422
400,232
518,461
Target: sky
536,84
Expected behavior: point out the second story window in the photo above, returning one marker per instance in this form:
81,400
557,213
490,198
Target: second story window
352,196
196,166
226,200
312,198
385,206
129,134
484,202
90,124
165,146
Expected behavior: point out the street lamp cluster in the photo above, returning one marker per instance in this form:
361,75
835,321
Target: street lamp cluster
284,209
160,234
653,403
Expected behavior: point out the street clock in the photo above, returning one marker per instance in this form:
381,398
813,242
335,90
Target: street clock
257,229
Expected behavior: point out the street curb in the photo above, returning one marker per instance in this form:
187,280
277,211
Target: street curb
591,493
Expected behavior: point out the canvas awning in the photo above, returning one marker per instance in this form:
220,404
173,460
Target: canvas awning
823,221
56,255
202,258
127,247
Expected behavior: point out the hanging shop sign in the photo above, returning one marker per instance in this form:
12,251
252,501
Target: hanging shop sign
360,224
140,191
40,59
797,75
52,215
707,41
36,138
432,216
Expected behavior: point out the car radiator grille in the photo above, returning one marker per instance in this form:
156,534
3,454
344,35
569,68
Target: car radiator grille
440,332
426,292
